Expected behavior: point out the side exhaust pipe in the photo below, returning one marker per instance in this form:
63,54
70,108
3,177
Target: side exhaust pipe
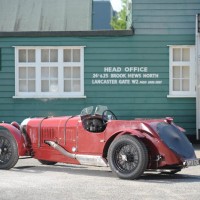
60,149
83,159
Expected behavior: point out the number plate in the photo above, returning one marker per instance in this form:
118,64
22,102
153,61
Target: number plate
192,162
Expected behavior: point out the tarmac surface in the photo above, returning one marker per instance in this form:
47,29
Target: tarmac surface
197,149
29,180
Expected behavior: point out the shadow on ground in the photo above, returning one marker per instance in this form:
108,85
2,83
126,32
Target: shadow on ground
155,177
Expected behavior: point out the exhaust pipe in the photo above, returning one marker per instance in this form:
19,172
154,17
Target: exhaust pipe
83,159
60,149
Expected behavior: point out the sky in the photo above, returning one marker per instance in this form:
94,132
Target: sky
116,4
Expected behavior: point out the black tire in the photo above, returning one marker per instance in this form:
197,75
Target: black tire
46,162
8,150
128,157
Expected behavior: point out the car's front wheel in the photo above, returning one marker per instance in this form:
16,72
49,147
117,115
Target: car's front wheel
128,157
8,150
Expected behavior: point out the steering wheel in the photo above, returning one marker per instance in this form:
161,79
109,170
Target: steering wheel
108,114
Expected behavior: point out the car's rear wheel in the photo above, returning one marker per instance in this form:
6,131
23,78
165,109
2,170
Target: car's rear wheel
128,157
46,162
8,150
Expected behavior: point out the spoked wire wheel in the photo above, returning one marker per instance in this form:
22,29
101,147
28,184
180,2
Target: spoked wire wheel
128,157
8,150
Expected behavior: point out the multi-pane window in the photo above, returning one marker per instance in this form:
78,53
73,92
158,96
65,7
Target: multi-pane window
72,71
26,55
49,79
27,79
27,75
49,55
49,72
71,55
72,81
182,71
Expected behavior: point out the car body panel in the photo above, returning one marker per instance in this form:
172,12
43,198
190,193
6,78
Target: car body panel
69,132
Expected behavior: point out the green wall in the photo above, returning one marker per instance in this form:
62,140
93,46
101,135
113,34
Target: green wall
165,16
127,101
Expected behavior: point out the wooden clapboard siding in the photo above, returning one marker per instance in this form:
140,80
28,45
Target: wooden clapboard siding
127,101
164,16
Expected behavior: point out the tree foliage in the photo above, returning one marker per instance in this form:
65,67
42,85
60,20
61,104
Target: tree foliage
118,22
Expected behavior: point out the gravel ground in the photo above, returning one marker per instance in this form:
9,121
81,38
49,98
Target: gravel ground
33,181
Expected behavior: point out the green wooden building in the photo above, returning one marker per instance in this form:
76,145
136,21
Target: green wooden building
52,66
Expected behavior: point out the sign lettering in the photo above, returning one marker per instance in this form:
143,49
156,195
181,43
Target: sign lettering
126,76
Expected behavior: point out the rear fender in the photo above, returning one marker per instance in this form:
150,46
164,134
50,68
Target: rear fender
16,133
149,141
132,132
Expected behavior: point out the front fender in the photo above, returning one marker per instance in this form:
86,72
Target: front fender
16,133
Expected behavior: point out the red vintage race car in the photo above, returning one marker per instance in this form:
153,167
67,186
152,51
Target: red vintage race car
96,137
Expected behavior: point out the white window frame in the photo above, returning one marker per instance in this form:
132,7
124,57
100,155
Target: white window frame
38,65
191,64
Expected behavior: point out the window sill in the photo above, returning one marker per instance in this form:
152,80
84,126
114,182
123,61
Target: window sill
181,96
49,97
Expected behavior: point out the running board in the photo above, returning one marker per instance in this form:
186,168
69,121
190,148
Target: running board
83,159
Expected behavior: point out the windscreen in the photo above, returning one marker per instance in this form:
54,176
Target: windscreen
90,110
87,111
100,109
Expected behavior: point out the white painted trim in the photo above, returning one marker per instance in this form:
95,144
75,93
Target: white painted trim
191,92
178,46
197,54
47,47
181,96
38,65
49,97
